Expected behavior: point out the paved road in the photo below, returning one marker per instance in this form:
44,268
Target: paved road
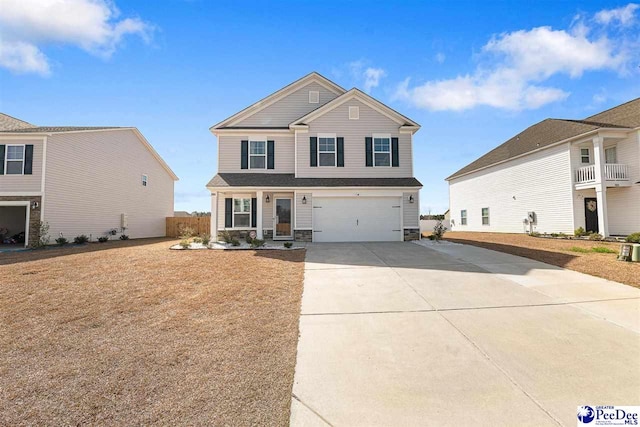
400,334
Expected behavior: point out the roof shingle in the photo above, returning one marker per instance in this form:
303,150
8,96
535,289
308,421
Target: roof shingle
289,180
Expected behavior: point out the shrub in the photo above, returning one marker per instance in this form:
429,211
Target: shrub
197,239
257,243
61,241
81,239
438,231
206,238
563,235
226,237
248,238
124,237
633,238
186,232
534,234
235,242
554,235
603,250
103,239
579,232
431,237
288,244
595,236
184,243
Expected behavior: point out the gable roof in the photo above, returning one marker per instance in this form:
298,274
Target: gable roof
279,94
8,122
368,100
551,131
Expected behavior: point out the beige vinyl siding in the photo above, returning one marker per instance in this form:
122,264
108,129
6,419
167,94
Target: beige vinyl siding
354,133
624,202
540,182
229,154
267,212
94,177
304,212
410,211
288,109
24,183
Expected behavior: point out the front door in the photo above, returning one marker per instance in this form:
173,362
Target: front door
591,214
283,218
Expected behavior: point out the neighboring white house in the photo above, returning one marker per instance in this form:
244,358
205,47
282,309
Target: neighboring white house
567,173
315,162
81,180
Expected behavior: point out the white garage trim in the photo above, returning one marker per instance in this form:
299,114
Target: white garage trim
27,206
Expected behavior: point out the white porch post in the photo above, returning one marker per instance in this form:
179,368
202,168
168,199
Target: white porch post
214,216
260,200
601,186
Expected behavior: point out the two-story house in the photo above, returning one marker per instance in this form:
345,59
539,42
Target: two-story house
314,162
567,173
80,180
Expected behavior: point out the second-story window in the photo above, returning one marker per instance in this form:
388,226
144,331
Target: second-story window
463,217
14,160
381,150
326,151
257,154
584,156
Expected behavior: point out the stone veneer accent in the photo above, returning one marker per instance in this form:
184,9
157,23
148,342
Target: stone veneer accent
236,234
303,235
411,234
34,214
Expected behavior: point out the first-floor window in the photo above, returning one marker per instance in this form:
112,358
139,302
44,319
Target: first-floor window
241,213
15,160
463,217
485,216
381,151
257,155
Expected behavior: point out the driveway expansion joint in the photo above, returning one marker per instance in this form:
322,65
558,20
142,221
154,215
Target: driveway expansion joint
293,395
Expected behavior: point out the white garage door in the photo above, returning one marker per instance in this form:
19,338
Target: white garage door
356,219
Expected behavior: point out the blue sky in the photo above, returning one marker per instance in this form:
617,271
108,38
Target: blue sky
473,74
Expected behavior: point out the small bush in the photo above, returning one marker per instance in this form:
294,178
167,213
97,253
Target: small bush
103,239
633,238
124,237
81,239
257,243
235,242
61,241
288,244
603,250
595,236
554,234
563,235
197,239
579,232
431,237
579,249
184,243
534,234
206,238
226,237
186,232
438,231
248,238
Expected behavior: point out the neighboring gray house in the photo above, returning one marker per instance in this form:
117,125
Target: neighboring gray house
81,180
314,162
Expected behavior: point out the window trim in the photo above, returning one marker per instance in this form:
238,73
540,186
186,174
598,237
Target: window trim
145,180
234,213
255,139
374,151
335,149
355,116
6,158
317,93
588,156
488,216
463,218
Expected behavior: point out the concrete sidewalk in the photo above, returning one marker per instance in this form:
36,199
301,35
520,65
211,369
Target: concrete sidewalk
400,334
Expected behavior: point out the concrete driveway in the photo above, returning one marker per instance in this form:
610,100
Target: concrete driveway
400,334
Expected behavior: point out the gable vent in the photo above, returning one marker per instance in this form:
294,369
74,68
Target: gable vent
354,113
314,97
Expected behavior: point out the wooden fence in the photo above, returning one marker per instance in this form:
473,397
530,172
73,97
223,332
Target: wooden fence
200,225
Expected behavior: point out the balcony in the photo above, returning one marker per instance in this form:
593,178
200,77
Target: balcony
615,175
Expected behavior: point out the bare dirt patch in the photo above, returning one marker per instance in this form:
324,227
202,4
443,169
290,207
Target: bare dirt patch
133,333
557,252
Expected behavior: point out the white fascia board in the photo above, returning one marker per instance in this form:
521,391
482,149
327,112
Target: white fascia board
252,131
306,189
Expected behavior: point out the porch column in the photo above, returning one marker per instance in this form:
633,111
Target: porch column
214,216
260,200
601,186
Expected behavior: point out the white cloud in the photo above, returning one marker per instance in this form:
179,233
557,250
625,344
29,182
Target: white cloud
515,66
440,57
624,15
92,25
368,77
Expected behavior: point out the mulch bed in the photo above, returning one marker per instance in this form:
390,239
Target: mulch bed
133,333
556,252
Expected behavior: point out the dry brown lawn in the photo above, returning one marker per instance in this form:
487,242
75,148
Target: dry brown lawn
557,252
133,333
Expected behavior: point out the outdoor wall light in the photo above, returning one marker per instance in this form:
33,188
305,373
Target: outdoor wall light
410,199
304,200
267,199
34,205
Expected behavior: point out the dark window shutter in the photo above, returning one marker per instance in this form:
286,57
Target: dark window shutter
395,156
1,159
368,143
254,212
340,150
244,155
270,155
28,160
313,151
228,212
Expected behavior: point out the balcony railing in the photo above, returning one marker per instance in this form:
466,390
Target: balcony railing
612,172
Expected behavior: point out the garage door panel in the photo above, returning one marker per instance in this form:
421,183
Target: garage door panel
356,219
